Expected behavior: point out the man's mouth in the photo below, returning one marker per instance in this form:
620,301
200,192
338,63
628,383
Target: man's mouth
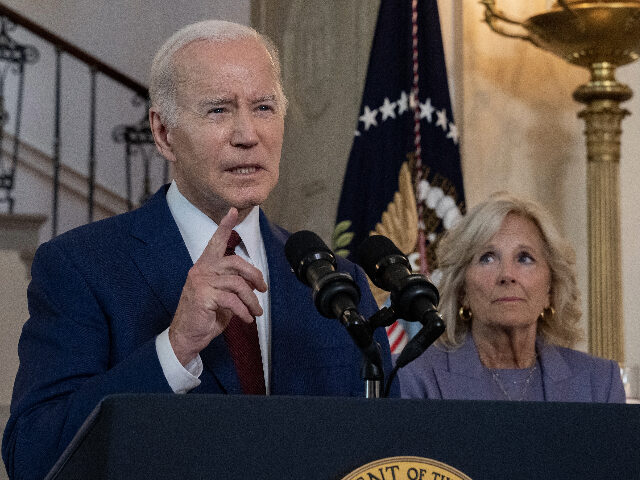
244,170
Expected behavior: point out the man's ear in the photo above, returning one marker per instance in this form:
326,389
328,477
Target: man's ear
161,135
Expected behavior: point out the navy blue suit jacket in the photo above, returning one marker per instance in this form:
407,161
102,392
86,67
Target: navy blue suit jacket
99,296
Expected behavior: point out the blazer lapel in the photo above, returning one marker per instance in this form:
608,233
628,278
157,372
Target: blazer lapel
559,382
298,337
279,274
163,260
160,253
460,374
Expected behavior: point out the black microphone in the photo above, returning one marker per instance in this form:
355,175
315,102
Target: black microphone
413,297
335,294
315,265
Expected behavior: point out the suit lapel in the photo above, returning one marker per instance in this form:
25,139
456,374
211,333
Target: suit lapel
559,382
163,260
160,253
460,373
280,275
296,332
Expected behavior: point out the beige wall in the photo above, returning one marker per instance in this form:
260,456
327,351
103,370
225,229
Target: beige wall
13,308
13,299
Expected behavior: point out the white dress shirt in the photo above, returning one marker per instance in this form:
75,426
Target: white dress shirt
197,229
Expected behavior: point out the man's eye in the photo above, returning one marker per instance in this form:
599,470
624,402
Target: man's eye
217,110
265,108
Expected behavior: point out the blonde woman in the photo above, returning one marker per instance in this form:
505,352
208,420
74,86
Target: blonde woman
511,305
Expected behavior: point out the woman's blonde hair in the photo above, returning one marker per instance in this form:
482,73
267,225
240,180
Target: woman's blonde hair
459,245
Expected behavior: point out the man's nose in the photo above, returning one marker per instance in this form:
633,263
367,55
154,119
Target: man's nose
244,133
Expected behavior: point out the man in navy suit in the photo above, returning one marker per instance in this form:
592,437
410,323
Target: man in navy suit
144,302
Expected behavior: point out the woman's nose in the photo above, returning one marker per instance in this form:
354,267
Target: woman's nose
506,273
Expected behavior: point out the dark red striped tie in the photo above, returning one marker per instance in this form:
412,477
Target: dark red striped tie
244,346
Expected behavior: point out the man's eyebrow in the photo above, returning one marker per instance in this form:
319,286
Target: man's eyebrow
266,98
215,101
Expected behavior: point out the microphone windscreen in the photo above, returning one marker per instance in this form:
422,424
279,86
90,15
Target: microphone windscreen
372,250
301,244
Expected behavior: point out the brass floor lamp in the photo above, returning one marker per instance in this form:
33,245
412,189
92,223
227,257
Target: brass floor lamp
599,35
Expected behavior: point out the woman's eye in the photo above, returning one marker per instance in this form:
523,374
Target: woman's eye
525,257
486,257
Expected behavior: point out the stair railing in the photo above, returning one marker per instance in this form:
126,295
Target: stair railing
136,137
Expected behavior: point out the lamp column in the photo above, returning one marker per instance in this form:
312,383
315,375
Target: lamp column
603,117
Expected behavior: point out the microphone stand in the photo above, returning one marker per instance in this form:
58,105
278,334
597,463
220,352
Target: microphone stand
433,326
371,370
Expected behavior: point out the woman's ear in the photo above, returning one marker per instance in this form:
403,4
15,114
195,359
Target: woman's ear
462,297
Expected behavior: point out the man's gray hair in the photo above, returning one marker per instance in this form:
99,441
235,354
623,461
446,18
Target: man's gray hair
162,85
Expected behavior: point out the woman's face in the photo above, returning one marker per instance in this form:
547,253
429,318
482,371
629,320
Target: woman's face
507,283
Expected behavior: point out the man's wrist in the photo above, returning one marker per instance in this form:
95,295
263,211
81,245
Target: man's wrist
184,355
181,378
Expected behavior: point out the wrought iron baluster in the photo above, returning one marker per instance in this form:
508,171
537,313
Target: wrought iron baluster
5,179
137,136
138,140
92,145
12,54
56,144
16,133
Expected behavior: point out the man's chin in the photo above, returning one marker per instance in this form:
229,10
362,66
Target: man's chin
249,198
244,205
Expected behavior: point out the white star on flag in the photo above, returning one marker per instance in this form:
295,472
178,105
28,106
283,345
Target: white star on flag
369,117
442,119
388,109
453,133
403,103
426,110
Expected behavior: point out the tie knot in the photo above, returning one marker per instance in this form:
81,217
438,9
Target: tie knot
234,241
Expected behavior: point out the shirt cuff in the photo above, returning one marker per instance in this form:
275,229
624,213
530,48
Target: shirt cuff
181,379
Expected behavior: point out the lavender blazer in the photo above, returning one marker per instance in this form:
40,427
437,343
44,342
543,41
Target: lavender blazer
567,375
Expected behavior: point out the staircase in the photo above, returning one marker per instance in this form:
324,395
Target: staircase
75,146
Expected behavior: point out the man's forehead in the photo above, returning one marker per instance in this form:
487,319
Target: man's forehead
204,58
232,50
223,88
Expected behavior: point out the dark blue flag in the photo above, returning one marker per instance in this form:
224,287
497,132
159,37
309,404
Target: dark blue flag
379,189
